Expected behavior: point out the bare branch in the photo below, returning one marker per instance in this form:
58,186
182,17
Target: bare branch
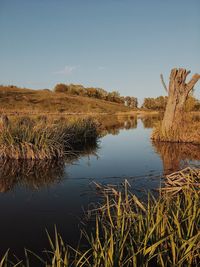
186,74
192,82
163,83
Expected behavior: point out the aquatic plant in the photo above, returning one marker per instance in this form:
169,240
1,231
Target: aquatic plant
125,231
25,138
161,232
128,232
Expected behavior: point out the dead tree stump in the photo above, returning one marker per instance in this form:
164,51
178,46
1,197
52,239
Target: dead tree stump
174,116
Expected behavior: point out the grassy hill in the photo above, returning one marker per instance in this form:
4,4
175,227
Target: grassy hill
45,101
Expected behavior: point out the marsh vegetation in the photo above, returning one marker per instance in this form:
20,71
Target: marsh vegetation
27,138
126,231
127,227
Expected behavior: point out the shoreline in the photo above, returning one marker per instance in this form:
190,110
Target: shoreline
123,113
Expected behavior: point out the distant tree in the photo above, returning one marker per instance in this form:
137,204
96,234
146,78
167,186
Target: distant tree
191,103
114,97
102,93
134,102
92,92
131,102
158,103
61,88
122,99
99,93
128,101
76,89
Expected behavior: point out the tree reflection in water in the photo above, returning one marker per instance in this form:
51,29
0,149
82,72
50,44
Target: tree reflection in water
176,156
40,173
35,174
150,121
32,174
113,124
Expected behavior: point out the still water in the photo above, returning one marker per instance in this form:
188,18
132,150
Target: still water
35,197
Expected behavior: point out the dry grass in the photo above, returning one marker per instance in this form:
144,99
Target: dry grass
189,132
26,138
23,101
187,179
130,233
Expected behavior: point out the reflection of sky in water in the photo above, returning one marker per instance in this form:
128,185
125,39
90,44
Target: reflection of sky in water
127,154
25,213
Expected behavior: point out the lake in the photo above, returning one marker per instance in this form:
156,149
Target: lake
37,196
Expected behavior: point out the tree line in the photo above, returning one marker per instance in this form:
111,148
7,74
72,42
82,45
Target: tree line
159,103
149,103
99,93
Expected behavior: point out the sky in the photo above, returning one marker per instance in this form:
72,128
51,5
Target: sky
120,45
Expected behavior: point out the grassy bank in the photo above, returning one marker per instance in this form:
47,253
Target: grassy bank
27,101
161,231
26,138
188,132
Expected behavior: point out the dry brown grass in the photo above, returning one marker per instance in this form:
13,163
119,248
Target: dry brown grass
27,138
20,100
187,179
124,231
189,132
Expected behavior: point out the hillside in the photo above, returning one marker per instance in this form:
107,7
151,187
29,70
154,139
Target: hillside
26,100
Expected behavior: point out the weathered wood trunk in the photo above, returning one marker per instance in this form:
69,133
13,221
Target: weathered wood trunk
177,95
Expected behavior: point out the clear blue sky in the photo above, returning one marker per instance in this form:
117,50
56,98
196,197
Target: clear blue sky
119,45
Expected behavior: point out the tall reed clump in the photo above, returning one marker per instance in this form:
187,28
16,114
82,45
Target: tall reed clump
162,231
82,132
26,138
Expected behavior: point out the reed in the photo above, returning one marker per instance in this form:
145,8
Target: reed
161,232
187,179
126,231
26,138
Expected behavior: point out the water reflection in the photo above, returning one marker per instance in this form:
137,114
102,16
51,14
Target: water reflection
113,124
35,174
150,121
38,195
32,174
176,156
